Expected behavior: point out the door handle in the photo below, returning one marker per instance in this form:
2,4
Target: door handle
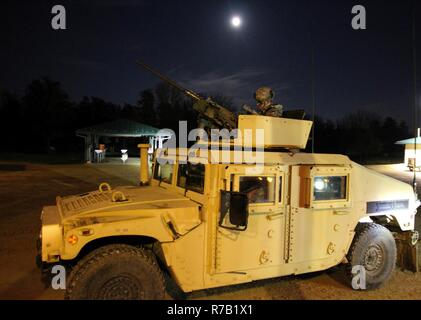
341,212
274,215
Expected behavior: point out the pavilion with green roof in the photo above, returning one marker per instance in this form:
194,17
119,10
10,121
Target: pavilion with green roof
117,129
412,151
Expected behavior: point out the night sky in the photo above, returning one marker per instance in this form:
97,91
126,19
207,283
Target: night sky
194,43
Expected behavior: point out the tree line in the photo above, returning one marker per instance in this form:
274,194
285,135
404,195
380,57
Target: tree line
44,119
363,136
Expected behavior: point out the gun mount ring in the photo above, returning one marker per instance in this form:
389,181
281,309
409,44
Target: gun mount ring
118,196
106,185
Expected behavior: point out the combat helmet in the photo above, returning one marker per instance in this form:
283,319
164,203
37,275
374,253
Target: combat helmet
264,94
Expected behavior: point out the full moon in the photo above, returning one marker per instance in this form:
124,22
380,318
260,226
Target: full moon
236,21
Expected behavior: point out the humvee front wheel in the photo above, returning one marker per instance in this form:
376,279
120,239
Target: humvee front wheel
116,272
373,249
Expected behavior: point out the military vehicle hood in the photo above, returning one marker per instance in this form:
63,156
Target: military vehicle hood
125,203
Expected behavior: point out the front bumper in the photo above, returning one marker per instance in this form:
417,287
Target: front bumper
51,235
44,267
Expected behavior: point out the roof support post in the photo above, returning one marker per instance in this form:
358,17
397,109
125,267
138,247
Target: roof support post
144,164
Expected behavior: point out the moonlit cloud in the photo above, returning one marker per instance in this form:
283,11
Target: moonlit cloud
239,86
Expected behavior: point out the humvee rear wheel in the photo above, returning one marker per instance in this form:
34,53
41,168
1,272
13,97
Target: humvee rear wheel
374,249
116,272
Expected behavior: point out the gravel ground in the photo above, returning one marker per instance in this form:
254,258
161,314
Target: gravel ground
26,188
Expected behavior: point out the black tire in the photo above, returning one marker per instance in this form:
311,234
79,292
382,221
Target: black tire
374,248
116,272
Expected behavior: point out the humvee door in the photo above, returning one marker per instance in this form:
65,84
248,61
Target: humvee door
321,208
261,243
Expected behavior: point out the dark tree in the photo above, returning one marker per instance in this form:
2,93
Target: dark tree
360,135
146,105
130,112
47,110
12,118
172,106
95,110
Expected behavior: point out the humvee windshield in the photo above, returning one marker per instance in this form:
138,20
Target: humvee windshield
191,177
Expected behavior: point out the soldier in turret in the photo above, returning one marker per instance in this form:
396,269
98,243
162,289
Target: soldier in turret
264,97
265,106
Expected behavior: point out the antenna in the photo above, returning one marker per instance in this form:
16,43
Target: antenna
414,65
313,85
313,94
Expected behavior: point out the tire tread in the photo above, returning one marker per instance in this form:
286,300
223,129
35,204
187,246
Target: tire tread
92,260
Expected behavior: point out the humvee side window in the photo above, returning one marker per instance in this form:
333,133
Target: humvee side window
329,188
163,172
258,189
191,177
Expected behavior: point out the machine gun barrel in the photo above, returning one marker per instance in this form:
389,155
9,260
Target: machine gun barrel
216,115
171,82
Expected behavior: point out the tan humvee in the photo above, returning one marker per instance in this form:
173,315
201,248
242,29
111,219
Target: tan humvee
219,224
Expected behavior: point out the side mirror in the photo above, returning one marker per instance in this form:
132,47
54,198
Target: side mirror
235,204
